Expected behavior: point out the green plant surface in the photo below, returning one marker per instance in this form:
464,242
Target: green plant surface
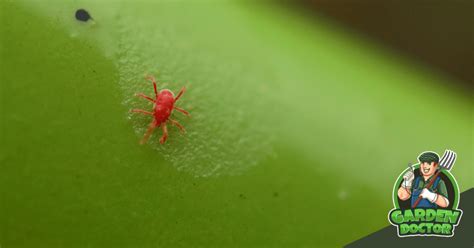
298,130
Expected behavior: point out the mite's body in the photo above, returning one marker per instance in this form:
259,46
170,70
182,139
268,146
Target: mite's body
163,106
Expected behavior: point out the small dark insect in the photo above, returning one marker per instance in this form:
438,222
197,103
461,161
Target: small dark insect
163,105
83,15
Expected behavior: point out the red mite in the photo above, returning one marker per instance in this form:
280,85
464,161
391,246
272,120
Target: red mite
163,105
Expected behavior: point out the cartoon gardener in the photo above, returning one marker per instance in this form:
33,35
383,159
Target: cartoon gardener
432,197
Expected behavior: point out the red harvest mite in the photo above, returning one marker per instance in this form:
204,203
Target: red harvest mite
163,105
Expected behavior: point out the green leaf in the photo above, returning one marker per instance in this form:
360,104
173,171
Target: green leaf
298,130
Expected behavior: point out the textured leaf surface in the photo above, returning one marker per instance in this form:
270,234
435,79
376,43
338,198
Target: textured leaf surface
294,125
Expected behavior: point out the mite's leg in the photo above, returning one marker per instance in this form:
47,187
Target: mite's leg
141,111
146,97
154,83
151,127
165,133
182,111
181,128
180,94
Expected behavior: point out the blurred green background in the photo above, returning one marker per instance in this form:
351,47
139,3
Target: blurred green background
298,130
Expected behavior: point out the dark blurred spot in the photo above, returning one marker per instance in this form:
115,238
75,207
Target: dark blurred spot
242,196
436,32
275,194
83,15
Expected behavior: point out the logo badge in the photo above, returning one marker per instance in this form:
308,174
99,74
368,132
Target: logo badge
426,197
